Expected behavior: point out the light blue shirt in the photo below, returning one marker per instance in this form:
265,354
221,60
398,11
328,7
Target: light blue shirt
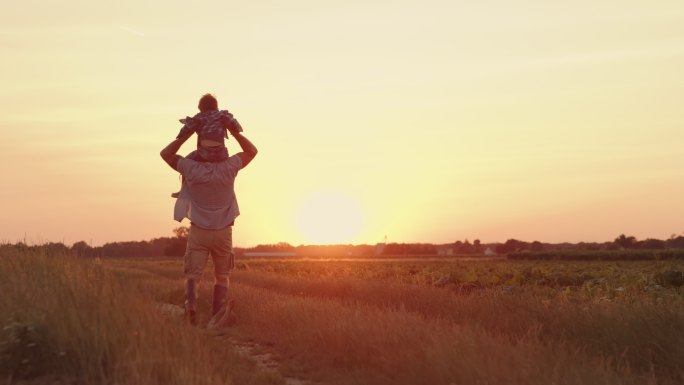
207,196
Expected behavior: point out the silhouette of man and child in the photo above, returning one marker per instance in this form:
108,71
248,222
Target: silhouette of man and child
207,198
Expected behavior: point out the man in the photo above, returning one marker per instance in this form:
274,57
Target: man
207,199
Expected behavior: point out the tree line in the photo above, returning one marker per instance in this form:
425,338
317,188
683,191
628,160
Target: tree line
174,246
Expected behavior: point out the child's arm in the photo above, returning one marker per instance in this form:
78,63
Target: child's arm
189,126
230,123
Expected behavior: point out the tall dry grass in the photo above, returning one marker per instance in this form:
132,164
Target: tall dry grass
352,331
362,344
632,334
70,319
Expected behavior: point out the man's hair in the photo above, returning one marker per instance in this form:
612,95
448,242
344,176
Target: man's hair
208,103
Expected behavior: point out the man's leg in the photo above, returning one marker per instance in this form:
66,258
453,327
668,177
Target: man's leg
195,259
223,257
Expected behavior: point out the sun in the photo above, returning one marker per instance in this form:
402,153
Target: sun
330,217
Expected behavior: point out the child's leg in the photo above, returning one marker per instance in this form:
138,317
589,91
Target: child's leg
224,154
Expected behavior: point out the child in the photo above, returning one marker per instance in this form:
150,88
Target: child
211,126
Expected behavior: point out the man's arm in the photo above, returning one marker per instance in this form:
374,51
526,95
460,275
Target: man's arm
249,150
169,153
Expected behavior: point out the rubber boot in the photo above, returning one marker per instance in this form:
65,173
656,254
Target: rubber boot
191,301
219,300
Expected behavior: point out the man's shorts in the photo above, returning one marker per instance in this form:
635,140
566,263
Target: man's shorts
202,243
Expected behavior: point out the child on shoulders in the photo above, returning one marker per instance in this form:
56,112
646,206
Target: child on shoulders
211,126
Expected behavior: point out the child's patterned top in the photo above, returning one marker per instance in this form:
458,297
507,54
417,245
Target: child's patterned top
212,125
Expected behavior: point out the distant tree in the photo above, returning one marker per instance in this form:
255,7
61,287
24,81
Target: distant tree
477,246
537,246
466,247
284,246
82,249
275,248
511,245
676,242
592,246
181,232
55,248
625,241
175,248
651,244
157,246
363,250
171,247
409,249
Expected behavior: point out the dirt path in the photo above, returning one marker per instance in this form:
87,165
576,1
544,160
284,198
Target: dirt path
252,350
264,361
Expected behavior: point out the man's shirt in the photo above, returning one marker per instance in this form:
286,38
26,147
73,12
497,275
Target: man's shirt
207,196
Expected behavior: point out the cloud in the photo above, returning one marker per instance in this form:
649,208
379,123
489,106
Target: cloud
131,30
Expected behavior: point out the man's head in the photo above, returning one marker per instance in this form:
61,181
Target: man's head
207,103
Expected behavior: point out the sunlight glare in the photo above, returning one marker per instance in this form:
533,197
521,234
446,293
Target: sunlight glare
330,217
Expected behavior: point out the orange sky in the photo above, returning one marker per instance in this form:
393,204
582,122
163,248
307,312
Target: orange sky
426,121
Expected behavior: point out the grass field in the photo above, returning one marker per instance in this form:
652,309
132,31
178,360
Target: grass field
408,321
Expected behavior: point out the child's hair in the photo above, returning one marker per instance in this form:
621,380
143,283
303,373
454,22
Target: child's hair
208,103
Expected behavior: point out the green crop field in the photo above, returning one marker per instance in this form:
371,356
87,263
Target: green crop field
389,321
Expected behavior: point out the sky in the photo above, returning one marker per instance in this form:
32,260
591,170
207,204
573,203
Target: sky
411,121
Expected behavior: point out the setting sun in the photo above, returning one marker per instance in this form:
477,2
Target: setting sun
330,217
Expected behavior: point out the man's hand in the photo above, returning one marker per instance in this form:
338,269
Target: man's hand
169,153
